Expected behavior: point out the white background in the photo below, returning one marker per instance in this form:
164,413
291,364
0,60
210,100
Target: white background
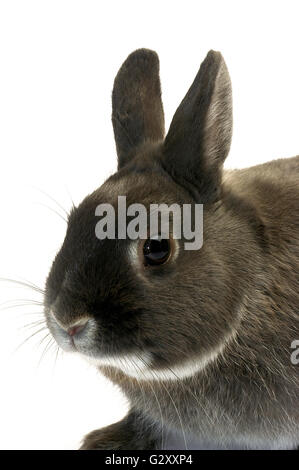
58,60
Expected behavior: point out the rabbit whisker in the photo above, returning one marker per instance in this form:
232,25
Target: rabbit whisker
23,283
52,210
54,200
29,337
48,346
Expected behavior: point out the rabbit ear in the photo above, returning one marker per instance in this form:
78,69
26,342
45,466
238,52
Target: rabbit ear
199,137
137,111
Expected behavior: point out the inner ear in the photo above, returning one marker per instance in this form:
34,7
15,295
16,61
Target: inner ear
200,133
137,110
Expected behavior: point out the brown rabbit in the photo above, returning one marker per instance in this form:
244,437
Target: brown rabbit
201,341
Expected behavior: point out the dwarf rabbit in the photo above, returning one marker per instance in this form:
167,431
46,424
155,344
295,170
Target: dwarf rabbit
199,341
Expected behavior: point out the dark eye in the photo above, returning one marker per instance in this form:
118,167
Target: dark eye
156,250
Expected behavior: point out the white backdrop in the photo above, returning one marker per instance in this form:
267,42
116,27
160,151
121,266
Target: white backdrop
58,60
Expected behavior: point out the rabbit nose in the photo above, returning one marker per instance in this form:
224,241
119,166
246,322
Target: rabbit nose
75,329
71,328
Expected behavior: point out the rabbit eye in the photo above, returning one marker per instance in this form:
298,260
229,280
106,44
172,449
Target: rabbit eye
156,250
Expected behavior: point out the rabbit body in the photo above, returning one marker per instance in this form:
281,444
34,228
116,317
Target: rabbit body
201,345
248,397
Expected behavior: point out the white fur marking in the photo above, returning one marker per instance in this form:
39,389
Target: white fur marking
140,368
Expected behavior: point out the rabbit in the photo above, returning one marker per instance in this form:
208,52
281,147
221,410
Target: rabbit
199,341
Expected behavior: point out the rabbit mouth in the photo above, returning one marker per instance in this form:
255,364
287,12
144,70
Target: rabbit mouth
76,337
83,337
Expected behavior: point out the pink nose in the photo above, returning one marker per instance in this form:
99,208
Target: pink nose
74,330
